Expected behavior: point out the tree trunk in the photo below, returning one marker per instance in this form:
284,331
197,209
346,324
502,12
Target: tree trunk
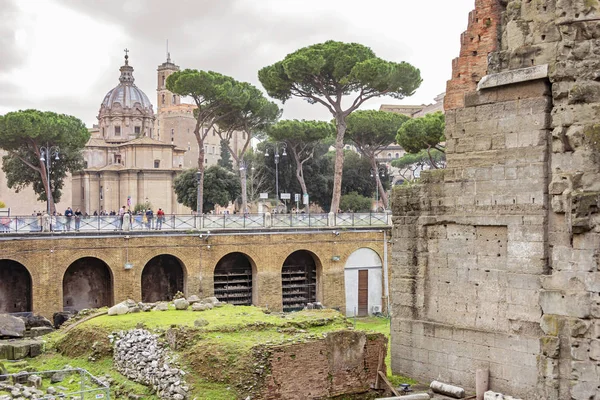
244,193
200,200
340,122
382,194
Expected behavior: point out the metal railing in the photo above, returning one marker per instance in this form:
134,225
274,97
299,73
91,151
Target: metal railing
173,222
90,387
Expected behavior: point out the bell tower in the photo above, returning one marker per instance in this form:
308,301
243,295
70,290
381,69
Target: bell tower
166,98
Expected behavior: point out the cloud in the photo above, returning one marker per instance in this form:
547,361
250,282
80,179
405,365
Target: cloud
10,53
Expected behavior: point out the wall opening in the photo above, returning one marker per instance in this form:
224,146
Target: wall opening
15,287
299,280
162,277
363,282
87,283
233,279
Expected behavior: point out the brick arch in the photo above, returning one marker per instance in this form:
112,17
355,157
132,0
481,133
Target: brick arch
16,287
77,255
344,255
162,277
88,282
299,283
184,260
232,282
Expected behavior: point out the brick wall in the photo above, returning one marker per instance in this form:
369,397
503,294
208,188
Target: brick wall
47,260
480,39
343,363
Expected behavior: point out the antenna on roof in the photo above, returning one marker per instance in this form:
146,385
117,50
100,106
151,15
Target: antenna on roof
168,54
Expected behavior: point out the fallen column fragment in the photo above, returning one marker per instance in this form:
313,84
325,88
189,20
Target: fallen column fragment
448,390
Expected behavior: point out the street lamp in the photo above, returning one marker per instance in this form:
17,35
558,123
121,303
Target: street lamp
276,146
376,173
46,154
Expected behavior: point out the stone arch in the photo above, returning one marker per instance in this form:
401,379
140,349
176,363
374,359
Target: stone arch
162,277
300,280
363,281
233,279
87,283
15,287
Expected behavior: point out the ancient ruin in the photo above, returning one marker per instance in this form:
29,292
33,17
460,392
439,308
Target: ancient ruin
495,259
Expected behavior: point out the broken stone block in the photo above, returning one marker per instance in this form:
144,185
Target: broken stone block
193,299
35,381
11,326
118,309
181,304
161,307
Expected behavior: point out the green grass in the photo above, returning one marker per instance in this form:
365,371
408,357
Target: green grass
217,356
382,325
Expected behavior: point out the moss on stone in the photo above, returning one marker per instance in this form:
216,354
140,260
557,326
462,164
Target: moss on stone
592,136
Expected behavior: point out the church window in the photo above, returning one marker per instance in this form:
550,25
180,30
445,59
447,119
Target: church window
85,164
101,193
214,150
156,163
389,155
164,80
397,155
117,159
174,99
206,161
137,130
172,132
163,99
117,130
102,131
150,132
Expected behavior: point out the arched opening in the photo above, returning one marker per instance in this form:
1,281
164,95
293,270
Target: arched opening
363,283
299,280
15,287
233,279
87,283
162,277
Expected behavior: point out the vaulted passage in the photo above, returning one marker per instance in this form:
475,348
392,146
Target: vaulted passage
299,280
87,284
15,287
162,277
233,279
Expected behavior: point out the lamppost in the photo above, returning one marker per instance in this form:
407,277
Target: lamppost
376,173
46,154
275,146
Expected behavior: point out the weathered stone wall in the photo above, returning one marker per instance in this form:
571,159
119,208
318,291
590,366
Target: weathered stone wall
523,169
48,258
469,247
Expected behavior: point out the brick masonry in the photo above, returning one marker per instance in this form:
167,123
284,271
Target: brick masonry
47,260
523,182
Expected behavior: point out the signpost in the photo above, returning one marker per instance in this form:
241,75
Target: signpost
286,196
264,196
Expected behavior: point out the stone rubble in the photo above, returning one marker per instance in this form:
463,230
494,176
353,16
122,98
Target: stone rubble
130,306
139,356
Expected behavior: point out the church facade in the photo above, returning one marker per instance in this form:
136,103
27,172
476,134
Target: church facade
134,154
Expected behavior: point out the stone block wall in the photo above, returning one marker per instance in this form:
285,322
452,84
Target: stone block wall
523,164
469,246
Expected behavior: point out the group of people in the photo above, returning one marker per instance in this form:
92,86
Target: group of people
144,219
54,222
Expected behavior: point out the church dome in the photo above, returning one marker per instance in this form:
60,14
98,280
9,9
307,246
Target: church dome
126,94
126,112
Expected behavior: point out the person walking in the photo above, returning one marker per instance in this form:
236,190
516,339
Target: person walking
160,217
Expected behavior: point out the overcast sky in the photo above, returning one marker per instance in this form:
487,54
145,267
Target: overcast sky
64,55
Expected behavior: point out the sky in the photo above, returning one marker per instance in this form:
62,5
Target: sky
64,55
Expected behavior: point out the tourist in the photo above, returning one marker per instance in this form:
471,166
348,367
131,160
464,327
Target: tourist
69,215
149,218
46,222
78,215
121,213
160,216
126,220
